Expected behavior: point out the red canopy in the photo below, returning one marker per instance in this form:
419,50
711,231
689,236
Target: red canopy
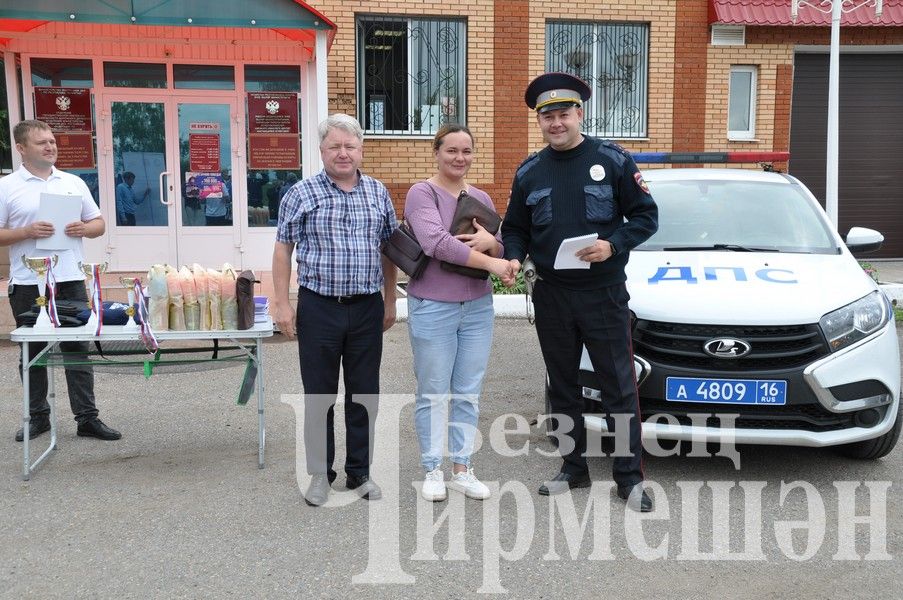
25,25
777,12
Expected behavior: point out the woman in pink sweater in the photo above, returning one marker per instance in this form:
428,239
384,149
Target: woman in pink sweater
450,317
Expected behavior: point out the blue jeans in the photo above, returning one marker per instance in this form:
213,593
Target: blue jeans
451,343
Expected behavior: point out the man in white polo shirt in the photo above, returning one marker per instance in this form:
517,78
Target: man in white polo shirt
20,195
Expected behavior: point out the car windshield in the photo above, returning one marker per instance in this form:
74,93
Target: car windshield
739,216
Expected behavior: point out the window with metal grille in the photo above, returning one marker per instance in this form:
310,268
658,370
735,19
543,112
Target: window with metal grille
613,58
411,74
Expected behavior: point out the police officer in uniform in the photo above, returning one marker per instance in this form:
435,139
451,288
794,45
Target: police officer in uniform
578,185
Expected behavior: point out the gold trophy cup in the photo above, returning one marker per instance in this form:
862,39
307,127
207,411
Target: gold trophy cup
129,284
88,269
38,264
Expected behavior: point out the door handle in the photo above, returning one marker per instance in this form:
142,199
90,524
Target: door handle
163,190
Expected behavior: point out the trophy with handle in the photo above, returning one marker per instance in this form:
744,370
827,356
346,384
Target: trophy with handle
129,283
95,300
42,265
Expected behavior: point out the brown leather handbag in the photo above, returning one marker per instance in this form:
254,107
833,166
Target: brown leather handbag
403,249
244,297
467,209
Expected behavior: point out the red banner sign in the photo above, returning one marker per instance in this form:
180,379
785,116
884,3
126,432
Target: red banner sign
64,109
272,112
74,151
274,152
273,131
68,113
203,152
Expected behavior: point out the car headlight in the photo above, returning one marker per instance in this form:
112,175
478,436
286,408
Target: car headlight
855,321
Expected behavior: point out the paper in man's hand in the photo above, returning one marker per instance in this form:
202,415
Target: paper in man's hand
567,251
60,210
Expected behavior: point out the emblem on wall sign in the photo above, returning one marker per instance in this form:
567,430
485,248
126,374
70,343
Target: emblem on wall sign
63,102
272,107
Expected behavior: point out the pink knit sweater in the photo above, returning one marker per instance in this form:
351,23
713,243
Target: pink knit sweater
431,229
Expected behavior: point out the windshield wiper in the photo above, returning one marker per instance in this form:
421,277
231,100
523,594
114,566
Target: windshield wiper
729,247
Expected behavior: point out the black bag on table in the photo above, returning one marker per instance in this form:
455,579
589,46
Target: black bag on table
67,311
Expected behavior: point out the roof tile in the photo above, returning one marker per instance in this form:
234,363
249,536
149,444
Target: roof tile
777,12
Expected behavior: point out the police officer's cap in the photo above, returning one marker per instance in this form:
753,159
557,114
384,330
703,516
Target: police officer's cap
556,90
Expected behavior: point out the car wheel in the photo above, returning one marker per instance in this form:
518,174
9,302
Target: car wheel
877,447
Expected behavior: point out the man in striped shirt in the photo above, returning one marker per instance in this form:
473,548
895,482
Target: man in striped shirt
334,223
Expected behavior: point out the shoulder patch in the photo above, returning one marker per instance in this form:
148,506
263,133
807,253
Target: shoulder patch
615,152
527,164
638,177
615,146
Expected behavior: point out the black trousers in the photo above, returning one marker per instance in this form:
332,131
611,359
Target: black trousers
79,378
331,333
599,319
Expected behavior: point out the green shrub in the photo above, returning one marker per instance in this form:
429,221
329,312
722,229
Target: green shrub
870,270
498,287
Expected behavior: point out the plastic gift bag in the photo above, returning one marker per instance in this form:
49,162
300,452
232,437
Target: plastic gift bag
190,298
176,301
216,299
200,284
230,304
158,298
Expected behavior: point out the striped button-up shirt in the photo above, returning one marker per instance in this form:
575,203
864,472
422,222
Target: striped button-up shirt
337,233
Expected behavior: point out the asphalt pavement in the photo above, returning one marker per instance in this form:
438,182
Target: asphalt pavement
179,509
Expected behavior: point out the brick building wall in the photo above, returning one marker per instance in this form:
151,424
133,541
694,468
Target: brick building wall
771,49
687,79
690,60
766,58
399,161
505,50
661,15
512,35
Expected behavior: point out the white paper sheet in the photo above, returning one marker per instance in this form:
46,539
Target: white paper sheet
566,259
60,210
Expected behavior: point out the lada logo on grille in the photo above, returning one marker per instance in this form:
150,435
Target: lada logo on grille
726,348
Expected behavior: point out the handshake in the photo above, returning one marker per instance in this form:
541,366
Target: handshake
505,270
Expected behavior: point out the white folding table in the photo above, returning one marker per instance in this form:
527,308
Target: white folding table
244,339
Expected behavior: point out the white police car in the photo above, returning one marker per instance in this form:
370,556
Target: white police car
752,315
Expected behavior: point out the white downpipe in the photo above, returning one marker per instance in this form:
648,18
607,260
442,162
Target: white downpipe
833,152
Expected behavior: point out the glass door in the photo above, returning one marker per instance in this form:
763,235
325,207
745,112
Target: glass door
208,221
137,168
169,162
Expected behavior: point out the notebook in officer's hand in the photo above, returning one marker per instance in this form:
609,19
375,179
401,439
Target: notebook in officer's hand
567,252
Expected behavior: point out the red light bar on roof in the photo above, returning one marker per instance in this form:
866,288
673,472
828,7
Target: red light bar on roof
688,158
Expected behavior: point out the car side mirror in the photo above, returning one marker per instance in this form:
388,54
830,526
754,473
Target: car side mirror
863,239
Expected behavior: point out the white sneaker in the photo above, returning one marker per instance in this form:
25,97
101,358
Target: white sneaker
434,486
468,484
